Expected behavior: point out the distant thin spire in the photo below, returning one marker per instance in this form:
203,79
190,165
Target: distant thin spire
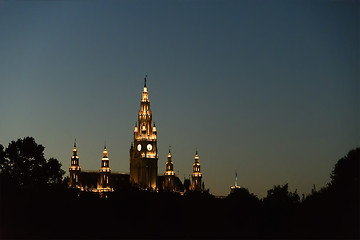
75,142
196,151
235,177
169,148
145,80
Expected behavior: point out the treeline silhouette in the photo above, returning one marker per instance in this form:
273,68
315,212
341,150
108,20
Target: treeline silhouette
37,203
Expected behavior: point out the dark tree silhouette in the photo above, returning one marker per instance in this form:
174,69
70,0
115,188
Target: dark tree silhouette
2,159
281,195
343,192
23,166
333,211
345,175
279,208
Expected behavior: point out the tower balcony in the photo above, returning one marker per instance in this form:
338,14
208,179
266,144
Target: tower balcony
151,137
169,173
148,155
105,169
74,168
197,174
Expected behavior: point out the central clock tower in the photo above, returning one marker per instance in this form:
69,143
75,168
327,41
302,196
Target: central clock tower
143,151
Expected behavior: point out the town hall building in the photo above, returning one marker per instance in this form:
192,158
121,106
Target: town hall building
143,163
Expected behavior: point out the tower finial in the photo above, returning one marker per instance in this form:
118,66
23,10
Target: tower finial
75,142
196,151
145,80
169,148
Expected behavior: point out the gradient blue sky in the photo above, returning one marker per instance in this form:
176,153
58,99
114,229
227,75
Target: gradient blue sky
270,88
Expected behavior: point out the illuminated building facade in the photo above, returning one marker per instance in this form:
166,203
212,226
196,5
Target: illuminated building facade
196,176
144,152
74,169
104,173
102,181
143,163
169,181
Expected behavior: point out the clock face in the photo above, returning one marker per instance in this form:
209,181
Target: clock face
139,147
149,147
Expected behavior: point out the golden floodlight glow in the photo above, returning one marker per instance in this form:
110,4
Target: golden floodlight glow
143,152
196,176
169,173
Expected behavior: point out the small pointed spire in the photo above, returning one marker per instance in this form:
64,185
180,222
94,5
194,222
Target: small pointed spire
235,178
169,148
105,153
74,149
196,151
145,80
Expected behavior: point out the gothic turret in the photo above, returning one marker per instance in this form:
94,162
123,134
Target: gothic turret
196,176
74,169
169,183
103,182
144,153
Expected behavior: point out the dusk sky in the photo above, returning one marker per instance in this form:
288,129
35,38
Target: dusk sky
268,88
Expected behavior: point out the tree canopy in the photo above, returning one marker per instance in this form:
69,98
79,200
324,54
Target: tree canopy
23,166
346,172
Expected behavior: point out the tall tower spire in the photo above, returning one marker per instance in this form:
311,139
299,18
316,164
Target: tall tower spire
196,176
145,95
144,154
74,168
